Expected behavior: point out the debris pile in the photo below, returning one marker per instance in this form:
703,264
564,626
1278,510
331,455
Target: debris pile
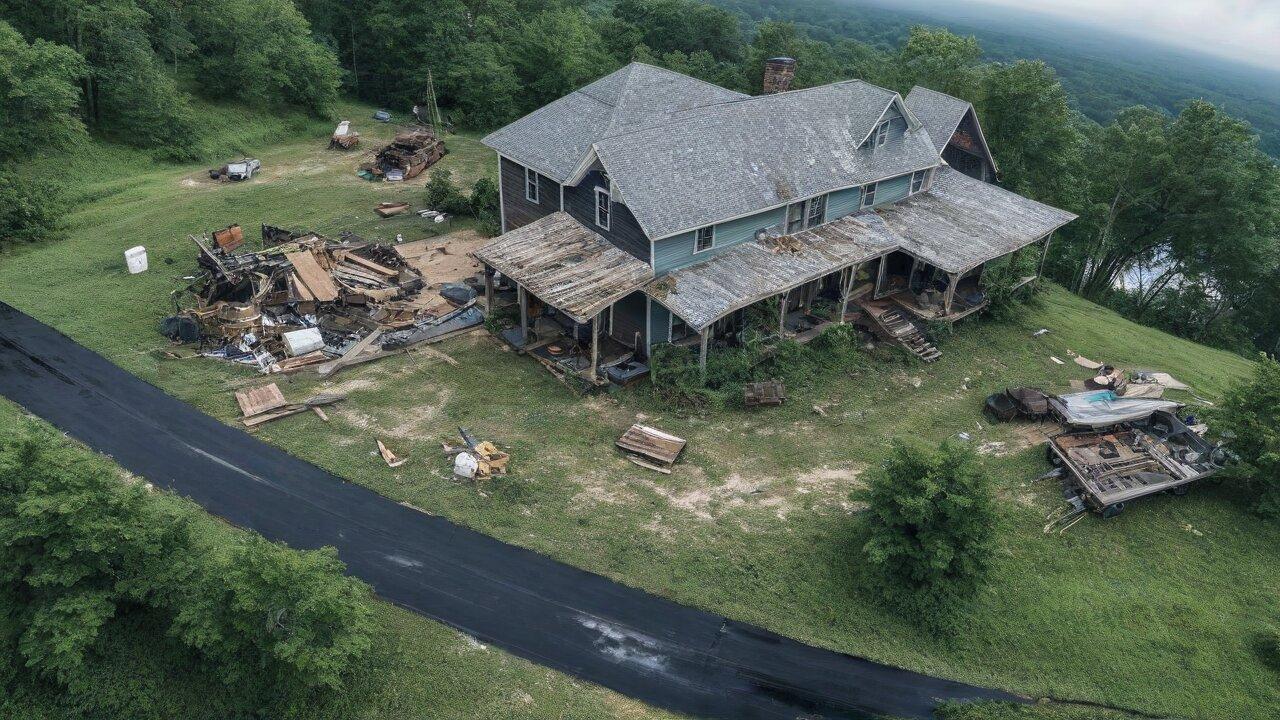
406,157
651,448
476,459
308,300
266,403
344,138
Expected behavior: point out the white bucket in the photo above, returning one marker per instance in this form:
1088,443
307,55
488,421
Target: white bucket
135,258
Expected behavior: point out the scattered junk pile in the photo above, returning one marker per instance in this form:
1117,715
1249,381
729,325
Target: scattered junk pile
266,403
344,138
237,171
1120,440
651,448
411,152
476,459
764,393
304,300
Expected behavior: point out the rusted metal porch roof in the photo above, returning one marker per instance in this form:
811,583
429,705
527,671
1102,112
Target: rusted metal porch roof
758,269
566,265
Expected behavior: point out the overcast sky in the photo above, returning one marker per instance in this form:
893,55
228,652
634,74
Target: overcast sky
1247,30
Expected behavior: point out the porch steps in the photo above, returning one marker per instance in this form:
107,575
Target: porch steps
903,330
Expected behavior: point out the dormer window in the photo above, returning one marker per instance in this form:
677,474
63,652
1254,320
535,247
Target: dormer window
869,195
530,186
705,239
917,180
602,207
878,136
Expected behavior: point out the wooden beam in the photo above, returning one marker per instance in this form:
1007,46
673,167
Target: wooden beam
884,264
782,314
846,289
524,313
702,353
1044,254
595,344
953,280
488,289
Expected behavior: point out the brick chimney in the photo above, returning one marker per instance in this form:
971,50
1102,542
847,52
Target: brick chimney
777,74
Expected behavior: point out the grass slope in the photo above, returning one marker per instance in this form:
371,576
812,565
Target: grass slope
417,668
1158,609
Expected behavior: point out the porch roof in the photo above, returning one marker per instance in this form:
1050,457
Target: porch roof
566,265
758,269
963,222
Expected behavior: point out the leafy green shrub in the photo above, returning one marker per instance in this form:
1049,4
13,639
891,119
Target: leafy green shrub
930,528
485,206
30,208
443,194
1000,277
271,617
1250,416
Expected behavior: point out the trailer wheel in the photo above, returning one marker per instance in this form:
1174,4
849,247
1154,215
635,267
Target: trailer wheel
1112,510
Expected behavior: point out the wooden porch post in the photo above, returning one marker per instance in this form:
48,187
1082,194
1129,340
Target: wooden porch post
782,314
595,344
1044,254
488,289
702,352
953,281
524,313
884,264
846,289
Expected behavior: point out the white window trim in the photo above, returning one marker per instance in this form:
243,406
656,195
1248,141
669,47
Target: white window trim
808,211
924,180
536,198
609,213
882,132
708,248
868,191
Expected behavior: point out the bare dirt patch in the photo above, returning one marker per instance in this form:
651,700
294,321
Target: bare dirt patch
446,258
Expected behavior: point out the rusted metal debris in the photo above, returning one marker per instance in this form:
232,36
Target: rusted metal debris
407,156
355,295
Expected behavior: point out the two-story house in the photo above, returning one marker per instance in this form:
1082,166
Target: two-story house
651,207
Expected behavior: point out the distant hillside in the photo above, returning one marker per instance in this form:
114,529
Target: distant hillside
1104,72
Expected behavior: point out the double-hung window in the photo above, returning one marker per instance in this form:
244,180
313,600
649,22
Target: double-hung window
917,180
602,207
869,195
704,239
807,214
882,132
795,217
817,211
530,185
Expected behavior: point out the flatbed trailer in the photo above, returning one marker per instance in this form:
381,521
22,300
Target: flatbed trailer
1112,466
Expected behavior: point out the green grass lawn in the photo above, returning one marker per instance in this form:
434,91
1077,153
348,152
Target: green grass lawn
1158,609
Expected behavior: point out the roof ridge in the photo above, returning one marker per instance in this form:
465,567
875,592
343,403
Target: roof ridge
683,75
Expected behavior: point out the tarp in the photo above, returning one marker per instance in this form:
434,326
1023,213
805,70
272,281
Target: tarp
1101,408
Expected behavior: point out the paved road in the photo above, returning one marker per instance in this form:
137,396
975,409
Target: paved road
640,645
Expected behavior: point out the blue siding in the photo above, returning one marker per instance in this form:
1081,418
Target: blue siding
893,189
677,251
843,202
659,323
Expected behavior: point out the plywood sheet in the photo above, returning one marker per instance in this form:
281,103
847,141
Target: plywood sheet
313,276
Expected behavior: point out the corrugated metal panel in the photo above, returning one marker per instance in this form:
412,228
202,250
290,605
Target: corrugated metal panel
843,202
676,252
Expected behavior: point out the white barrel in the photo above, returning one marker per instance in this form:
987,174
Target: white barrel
135,258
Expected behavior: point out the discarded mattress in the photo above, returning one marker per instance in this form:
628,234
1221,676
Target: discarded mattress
1101,408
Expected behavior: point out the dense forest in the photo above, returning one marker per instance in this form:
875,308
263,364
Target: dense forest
1178,210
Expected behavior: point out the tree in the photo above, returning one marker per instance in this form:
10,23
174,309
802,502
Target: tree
39,95
1250,414
816,62
269,617
557,52
682,26
483,86
485,206
940,60
930,528
76,546
444,195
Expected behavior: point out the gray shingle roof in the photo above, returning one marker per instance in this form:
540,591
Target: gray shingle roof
754,270
566,265
556,137
735,158
940,113
962,222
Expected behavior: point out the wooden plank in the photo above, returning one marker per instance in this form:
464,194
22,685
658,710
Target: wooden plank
351,354
313,276
256,401
370,265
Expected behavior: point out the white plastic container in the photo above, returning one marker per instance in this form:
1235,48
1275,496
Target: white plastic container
465,465
135,258
301,342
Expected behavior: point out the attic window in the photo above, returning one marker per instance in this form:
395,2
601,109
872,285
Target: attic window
869,195
530,185
878,136
602,207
